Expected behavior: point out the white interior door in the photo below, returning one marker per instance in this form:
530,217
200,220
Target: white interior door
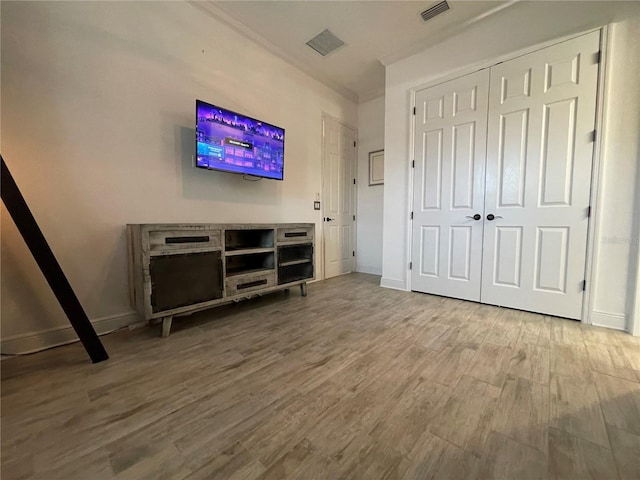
338,190
449,152
538,179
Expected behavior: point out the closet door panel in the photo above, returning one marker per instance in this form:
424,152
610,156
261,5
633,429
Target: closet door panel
449,152
538,178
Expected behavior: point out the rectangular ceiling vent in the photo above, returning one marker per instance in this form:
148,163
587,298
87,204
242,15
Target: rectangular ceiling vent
434,10
325,42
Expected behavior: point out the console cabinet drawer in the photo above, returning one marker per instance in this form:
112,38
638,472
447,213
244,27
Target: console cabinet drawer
295,234
240,284
176,240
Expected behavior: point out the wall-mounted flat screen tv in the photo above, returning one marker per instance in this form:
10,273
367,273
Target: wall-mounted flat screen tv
232,142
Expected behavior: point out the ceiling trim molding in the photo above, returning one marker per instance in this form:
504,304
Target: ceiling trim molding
216,12
433,40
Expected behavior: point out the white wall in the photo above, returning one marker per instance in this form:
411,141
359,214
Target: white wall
98,112
370,198
518,27
619,216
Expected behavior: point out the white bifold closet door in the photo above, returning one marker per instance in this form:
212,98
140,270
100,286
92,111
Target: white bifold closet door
449,152
539,151
539,157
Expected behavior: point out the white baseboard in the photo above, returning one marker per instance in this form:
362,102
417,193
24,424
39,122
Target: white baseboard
393,283
53,337
616,321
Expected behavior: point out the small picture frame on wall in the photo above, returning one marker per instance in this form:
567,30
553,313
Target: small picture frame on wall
376,167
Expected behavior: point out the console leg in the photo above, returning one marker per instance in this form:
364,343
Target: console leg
303,289
166,326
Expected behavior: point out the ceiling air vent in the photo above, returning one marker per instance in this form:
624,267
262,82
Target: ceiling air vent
325,42
434,10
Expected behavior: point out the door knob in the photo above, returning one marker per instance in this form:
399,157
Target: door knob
476,217
491,216
329,219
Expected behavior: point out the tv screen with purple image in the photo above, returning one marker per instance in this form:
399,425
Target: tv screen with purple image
231,142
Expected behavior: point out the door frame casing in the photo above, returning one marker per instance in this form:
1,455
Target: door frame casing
598,146
324,115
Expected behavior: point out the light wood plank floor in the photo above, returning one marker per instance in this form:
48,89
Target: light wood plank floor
353,381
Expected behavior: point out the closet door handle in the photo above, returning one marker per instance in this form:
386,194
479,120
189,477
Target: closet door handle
476,217
491,216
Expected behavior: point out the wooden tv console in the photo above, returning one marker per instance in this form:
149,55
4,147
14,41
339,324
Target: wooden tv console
180,268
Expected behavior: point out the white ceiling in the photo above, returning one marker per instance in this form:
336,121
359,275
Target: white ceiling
376,33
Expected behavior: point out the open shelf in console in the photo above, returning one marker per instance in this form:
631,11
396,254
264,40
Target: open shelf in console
295,253
247,251
249,239
249,263
295,262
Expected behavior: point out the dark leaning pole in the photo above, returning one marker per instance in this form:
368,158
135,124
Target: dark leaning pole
46,260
